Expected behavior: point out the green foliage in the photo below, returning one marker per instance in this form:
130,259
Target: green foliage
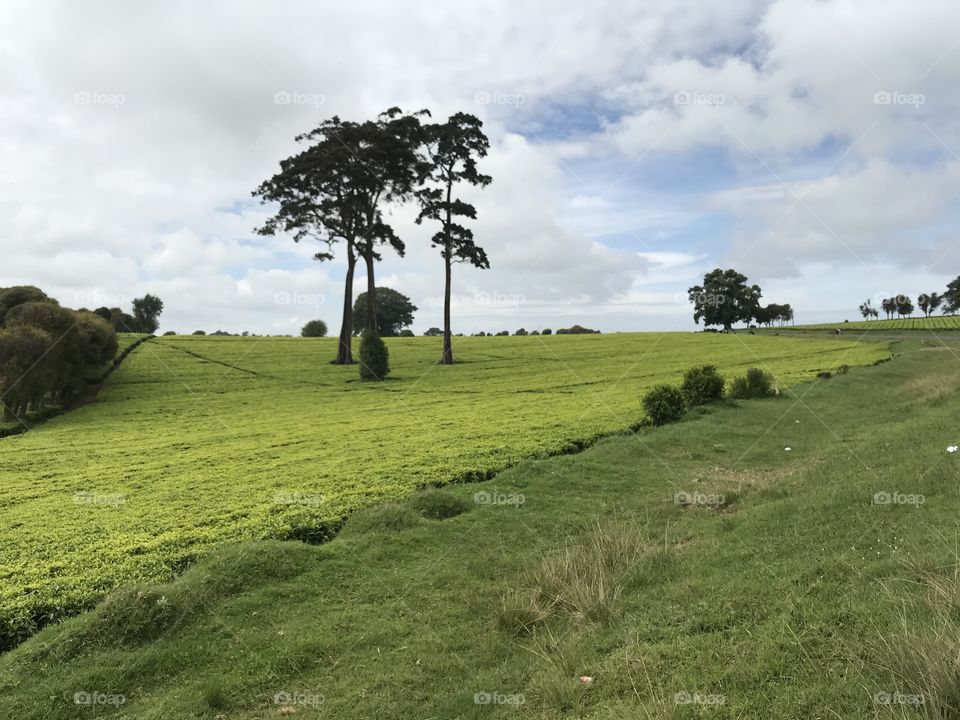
433,332
663,404
724,299
314,328
394,311
407,332
146,313
336,444
438,504
702,384
547,331
374,358
576,330
756,383
520,333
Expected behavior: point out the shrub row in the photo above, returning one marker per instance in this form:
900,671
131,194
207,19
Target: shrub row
701,385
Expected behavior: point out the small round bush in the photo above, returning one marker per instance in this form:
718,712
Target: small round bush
663,404
755,384
547,331
374,358
406,332
314,328
438,504
701,385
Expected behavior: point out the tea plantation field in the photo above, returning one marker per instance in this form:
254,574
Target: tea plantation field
945,322
197,441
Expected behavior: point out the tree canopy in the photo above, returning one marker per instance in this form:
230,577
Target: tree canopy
394,312
724,298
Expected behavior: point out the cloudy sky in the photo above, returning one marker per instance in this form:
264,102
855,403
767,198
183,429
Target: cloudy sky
811,144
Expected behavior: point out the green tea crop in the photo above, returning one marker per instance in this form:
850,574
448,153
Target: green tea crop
945,322
196,441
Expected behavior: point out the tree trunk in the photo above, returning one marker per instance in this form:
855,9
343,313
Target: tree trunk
344,350
371,296
447,358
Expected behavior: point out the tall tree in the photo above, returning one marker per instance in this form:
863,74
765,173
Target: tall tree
452,149
903,305
866,309
951,298
724,299
332,192
394,312
146,311
889,306
929,303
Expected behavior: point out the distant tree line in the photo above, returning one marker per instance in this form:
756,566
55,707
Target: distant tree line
145,317
903,306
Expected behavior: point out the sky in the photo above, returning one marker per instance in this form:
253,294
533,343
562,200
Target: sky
810,144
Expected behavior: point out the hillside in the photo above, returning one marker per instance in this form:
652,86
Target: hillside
195,442
781,558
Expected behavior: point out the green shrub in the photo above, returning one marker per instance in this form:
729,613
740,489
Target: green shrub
701,385
374,358
663,404
406,332
755,384
314,328
547,331
438,504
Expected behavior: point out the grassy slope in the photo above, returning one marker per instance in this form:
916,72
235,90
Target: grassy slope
194,439
779,602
